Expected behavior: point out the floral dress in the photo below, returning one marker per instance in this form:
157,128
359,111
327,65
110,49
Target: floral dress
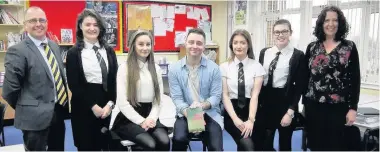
333,77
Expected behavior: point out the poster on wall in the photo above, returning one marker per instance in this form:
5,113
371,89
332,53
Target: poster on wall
138,17
240,12
108,10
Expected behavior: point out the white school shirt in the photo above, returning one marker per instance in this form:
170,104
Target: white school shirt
251,68
280,74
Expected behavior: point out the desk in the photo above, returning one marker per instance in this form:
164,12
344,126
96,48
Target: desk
18,148
10,112
368,130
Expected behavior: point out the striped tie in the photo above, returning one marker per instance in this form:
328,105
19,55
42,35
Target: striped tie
272,67
241,86
59,85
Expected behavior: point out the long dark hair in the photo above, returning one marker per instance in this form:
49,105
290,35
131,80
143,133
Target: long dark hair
343,26
102,29
247,37
133,69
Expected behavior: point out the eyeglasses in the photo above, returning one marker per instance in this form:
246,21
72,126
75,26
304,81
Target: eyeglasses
35,20
284,32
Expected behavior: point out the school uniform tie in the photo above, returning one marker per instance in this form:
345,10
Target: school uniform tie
58,81
103,67
241,87
272,67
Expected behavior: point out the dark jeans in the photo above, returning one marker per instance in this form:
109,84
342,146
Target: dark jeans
213,136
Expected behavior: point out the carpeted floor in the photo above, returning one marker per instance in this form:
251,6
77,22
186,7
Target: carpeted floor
14,136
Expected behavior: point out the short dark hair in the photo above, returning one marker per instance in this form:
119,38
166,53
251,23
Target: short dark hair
101,24
247,37
283,21
197,31
343,27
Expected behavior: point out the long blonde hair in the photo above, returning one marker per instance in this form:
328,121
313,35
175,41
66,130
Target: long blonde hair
133,70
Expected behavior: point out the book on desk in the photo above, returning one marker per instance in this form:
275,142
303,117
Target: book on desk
367,117
368,111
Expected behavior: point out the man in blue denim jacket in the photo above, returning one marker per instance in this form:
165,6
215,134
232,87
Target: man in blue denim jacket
195,81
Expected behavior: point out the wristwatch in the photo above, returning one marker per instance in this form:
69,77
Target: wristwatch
111,104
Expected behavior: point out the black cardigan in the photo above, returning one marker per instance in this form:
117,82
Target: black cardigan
295,82
77,81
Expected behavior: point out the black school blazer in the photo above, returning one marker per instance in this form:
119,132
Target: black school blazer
77,81
296,79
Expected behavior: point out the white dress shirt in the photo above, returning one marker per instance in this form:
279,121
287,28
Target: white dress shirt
251,70
91,66
42,51
280,74
145,92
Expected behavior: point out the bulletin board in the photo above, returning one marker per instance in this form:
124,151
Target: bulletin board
63,15
155,16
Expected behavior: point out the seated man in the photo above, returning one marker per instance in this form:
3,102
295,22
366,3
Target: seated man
195,81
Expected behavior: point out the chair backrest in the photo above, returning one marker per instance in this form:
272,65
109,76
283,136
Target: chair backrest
167,112
2,115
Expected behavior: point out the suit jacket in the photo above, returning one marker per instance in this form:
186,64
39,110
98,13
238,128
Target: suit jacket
77,80
28,85
296,78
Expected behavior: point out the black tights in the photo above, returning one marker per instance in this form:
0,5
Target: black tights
157,140
245,144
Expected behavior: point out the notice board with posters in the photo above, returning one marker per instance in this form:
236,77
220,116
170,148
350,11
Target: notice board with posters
63,15
167,22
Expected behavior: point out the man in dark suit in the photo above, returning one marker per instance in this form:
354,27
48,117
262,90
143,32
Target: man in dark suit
35,86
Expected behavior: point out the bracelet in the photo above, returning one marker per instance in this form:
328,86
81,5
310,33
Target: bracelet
251,120
290,115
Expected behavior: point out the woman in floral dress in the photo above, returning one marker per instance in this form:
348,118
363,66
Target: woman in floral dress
333,86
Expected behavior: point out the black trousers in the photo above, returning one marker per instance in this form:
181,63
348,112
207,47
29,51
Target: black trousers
325,124
51,138
272,107
243,144
213,136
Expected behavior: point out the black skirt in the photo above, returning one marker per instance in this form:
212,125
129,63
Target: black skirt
272,107
242,113
85,125
128,130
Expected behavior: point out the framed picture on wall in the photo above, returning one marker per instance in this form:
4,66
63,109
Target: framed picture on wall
108,10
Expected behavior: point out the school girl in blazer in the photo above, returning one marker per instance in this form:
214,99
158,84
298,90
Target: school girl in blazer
91,74
282,87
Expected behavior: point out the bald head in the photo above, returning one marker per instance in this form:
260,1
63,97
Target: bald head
33,10
35,22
